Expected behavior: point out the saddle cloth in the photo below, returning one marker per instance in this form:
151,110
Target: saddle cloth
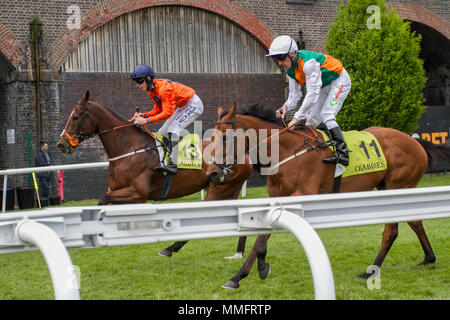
188,151
365,153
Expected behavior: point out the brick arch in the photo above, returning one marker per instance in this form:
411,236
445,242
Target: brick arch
11,48
412,13
111,9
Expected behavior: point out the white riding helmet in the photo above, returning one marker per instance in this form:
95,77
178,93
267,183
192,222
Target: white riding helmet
282,45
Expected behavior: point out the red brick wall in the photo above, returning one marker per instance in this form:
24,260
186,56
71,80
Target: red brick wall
11,48
264,19
416,13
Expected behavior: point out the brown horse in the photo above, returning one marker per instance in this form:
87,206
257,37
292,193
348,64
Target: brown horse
407,161
132,178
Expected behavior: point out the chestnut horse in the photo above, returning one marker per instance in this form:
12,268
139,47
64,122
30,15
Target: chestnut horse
407,161
132,178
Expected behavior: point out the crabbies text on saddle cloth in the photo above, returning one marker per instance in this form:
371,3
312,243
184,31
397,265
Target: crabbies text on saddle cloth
365,153
189,154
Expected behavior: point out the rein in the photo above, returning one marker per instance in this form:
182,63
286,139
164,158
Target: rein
75,141
312,137
133,124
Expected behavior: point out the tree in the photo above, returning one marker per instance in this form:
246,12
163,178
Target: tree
381,56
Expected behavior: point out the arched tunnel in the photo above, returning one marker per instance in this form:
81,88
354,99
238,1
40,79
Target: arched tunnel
435,51
434,124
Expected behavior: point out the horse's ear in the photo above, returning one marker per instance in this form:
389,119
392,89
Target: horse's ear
85,99
232,110
219,112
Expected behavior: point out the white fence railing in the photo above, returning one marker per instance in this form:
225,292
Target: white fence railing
67,167
10,172
99,226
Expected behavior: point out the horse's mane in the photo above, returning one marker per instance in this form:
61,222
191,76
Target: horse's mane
114,113
261,111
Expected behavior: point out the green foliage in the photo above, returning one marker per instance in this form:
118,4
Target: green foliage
36,29
387,74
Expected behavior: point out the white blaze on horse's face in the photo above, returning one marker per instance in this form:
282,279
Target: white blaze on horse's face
61,136
63,144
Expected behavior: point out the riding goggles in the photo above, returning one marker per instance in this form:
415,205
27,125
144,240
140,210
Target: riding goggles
139,80
279,57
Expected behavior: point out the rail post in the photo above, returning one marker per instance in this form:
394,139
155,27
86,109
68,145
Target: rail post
5,189
62,272
312,245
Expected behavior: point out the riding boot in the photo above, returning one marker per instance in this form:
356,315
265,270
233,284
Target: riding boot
171,166
341,152
322,127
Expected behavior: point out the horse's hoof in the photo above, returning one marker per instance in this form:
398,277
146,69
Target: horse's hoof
165,253
230,284
237,255
264,272
104,200
427,260
364,276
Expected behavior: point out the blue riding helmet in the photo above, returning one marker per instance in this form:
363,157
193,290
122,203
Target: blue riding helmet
142,71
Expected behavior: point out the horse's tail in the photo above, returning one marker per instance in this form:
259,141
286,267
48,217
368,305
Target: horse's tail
435,152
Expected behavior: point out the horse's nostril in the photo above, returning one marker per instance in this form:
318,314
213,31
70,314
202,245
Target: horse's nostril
213,177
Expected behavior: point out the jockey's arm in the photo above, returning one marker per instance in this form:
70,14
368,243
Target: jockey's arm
313,86
295,94
156,110
167,107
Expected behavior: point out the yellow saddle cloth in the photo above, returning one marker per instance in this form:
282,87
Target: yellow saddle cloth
189,152
365,153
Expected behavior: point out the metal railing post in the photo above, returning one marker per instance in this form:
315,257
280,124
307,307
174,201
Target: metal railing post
314,249
5,189
62,271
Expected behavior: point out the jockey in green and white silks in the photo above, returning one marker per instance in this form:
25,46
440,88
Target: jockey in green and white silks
327,86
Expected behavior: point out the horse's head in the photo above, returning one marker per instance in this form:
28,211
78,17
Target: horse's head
79,126
219,169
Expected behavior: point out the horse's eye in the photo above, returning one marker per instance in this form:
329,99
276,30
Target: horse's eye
75,118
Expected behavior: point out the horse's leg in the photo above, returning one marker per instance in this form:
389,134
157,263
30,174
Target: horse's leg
418,228
241,246
220,192
167,252
240,249
390,233
243,272
263,266
103,200
123,195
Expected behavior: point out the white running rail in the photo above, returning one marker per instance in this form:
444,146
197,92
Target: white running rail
68,167
79,166
99,226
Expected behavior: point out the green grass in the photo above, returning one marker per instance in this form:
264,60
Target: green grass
199,270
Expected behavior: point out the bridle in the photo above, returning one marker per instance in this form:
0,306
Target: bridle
226,168
78,136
